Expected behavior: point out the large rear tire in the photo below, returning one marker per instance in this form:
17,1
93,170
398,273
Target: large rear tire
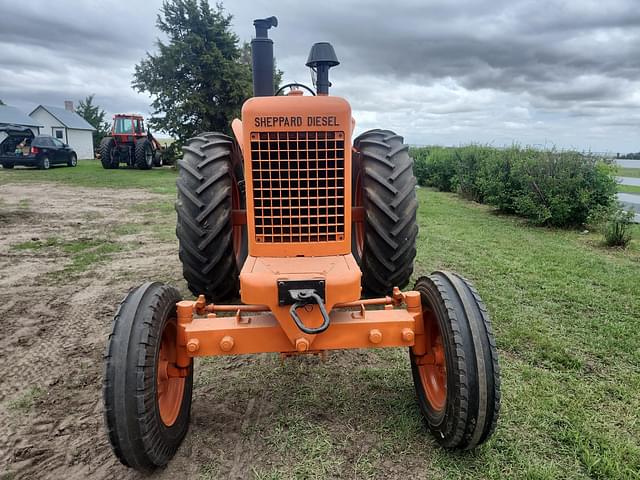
109,156
212,249
143,154
457,381
384,242
146,406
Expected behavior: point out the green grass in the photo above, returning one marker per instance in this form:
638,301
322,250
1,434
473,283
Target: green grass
36,244
628,172
628,188
83,252
89,173
564,310
100,252
25,401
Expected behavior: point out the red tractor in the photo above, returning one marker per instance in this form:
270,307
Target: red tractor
130,144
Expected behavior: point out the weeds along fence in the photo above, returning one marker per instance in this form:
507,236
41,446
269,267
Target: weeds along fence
559,188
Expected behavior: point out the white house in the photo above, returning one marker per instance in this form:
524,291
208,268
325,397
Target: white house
13,116
66,125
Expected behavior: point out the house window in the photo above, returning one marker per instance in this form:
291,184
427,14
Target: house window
58,133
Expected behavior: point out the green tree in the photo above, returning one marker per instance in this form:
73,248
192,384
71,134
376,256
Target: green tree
197,80
245,57
95,116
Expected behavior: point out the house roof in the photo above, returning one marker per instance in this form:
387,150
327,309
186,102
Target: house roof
67,118
13,116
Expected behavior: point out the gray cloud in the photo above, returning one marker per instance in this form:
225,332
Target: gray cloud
445,71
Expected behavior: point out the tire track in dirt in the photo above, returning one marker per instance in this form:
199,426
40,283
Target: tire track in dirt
54,326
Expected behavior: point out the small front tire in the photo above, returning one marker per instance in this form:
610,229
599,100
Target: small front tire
457,379
73,160
146,406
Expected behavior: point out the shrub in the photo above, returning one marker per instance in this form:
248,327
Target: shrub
561,188
499,185
420,169
468,162
549,187
614,223
437,168
617,231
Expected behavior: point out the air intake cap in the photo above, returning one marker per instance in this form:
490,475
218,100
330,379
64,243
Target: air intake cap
322,53
321,58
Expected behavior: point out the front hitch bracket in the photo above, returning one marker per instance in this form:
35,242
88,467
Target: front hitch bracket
303,298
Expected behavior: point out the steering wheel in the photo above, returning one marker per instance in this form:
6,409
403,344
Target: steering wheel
291,85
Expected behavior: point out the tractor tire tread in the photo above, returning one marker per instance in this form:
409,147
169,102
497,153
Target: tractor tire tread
204,227
473,371
140,154
106,145
136,434
388,190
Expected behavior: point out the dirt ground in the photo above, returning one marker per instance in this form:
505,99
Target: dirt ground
56,306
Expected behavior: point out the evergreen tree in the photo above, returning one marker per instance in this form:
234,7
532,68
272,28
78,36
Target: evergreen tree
95,116
245,57
197,80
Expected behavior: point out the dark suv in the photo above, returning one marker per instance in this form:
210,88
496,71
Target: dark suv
19,146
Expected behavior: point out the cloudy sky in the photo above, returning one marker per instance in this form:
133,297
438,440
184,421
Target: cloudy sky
536,72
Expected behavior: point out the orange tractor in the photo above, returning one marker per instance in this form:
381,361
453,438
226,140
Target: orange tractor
299,221
131,144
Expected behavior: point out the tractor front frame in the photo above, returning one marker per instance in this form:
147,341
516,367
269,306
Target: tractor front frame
210,329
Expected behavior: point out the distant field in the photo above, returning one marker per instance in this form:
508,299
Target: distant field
165,141
628,188
629,172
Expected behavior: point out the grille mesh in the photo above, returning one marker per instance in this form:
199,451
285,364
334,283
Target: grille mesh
298,186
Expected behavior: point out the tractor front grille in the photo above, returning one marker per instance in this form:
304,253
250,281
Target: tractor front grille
298,186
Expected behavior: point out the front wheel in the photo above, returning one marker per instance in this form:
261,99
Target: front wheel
455,363
73,160
147,399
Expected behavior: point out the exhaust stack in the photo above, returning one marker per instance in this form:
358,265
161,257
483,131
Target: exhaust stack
262,56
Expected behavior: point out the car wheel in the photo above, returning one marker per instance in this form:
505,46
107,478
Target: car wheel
44,163
73,160
7,165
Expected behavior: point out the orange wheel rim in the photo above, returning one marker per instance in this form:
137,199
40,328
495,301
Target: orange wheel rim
170,389
432,367
237,229
358,227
